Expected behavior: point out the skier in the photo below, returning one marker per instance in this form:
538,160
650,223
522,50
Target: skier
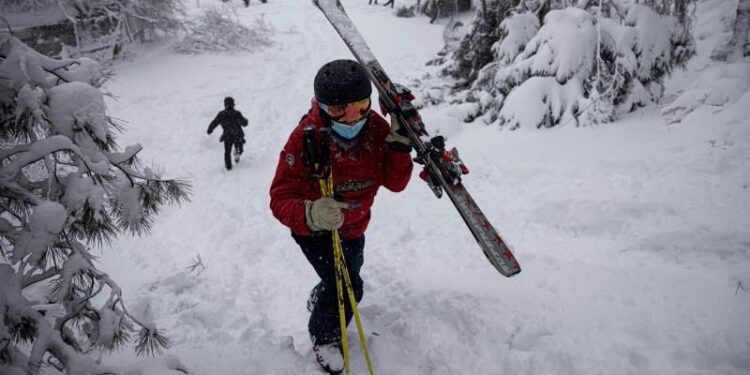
232,122
365,153
389,2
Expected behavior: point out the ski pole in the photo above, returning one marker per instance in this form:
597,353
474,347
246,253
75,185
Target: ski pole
326,188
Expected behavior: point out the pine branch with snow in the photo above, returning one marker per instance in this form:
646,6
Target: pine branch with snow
475,50
65,185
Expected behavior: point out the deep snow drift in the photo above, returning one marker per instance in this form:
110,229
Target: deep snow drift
632,236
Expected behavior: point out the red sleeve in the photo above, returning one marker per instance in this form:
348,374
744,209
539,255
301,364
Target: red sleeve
397,169
287,201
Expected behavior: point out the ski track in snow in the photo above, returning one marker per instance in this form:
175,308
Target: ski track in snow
632,236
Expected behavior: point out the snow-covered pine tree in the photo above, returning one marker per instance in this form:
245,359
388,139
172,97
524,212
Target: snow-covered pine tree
557,61
65,186
475,50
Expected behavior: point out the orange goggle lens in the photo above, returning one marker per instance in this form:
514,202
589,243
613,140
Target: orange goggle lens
348,113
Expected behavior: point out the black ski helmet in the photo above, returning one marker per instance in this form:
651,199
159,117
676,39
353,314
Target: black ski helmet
229,102
340,82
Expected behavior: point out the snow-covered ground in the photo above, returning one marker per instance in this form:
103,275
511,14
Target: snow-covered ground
633,236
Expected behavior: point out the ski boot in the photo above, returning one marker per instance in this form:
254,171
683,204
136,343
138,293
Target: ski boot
329,358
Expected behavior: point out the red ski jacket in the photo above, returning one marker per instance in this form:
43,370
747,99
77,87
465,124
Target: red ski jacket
358,172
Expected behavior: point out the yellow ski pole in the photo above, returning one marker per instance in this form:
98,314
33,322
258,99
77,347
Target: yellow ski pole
355,309
326,187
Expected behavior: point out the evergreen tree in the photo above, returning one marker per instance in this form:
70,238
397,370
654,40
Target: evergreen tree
66,186
542,63
475,50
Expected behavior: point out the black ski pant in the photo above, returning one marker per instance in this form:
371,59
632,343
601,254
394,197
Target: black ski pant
228,143
324,325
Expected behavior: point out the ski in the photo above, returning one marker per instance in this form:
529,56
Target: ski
443,169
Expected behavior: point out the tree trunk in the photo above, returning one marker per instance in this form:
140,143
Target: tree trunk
738,45
741,30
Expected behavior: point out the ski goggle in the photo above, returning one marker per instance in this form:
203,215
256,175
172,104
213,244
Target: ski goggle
348,113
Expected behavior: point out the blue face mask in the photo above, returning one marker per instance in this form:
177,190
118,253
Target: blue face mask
348,131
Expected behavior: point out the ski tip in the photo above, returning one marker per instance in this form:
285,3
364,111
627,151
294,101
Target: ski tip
504,262
513,272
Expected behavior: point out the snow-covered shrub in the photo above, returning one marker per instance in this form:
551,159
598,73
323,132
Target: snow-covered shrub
595,64
65,185
219,30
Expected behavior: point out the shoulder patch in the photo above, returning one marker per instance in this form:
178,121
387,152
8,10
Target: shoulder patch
289,158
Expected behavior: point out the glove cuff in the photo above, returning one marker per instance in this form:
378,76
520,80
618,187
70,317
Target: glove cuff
309,217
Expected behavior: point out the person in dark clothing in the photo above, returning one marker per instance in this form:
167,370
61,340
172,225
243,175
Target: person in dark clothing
231,122
389,2
365,153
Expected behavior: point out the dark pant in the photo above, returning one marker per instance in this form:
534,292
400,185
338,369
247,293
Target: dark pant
324,326
228,143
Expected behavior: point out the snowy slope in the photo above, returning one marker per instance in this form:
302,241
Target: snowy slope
632,236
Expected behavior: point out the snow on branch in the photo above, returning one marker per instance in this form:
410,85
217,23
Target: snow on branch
66,185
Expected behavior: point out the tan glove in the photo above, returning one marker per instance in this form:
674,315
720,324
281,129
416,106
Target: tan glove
396,137
324,214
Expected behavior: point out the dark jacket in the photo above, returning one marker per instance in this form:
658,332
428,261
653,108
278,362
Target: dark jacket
358,172
232,122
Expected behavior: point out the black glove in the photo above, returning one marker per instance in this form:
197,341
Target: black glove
398,138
